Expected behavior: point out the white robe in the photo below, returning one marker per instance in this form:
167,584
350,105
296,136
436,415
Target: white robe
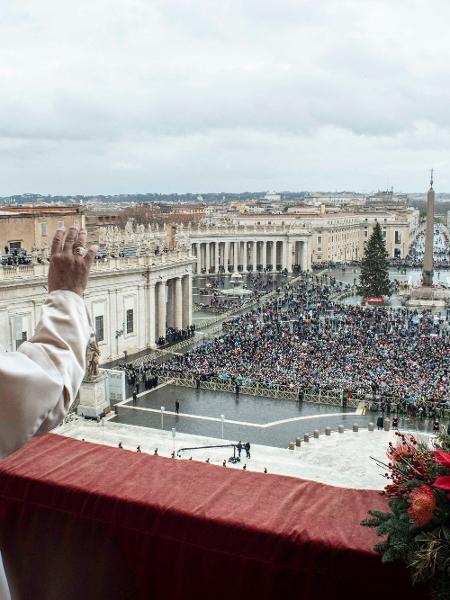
40,381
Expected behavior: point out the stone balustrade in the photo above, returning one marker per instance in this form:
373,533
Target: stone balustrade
40,270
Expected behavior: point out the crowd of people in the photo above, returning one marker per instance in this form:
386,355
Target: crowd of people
304,339
259,284
174,335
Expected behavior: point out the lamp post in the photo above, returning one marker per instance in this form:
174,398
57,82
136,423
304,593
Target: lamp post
222,419
173,437
162,417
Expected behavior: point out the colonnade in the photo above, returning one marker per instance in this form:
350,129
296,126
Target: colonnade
253,255
172,303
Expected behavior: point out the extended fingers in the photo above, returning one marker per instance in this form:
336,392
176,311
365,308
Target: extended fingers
90,255
57,241
81,238
70,239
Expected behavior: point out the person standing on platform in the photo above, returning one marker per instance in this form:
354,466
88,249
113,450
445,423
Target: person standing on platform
40,380
239,448
134,396
177,406
247,449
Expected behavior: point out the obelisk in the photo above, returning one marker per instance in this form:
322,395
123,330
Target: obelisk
427,273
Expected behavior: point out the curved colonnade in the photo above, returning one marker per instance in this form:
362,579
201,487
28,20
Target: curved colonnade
244,249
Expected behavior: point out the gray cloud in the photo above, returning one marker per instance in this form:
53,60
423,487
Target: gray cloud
157,95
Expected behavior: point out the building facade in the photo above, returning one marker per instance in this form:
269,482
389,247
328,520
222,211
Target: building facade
247,248
341,235
131,300
34,227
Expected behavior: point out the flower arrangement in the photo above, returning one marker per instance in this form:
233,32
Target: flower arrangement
418,524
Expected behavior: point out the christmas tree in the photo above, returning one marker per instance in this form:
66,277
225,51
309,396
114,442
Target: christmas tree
374,278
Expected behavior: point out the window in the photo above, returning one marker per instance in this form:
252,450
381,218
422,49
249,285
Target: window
14,245
20,335
130,321
99,333
23,338
43,229
398,237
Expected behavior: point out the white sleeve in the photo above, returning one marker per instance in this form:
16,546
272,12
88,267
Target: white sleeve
40,380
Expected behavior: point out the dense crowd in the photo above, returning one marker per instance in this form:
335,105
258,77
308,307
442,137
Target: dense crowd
258,285
303,338
174,335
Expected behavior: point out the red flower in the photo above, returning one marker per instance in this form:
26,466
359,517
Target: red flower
399,452
443,458
422,505
443,482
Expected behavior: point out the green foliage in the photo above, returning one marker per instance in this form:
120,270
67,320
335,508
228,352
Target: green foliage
442,441
374,278
425,549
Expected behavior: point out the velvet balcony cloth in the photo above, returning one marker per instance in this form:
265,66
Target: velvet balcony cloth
81,521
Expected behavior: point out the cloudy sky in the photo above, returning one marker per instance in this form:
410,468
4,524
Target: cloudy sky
112,96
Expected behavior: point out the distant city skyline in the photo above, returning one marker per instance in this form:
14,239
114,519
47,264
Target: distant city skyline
131,97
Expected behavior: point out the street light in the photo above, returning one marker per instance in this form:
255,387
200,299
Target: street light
222,418
173,437
162,417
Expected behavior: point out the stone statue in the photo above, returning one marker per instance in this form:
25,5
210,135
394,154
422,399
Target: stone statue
92,359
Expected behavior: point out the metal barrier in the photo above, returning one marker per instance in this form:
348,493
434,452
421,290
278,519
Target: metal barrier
277,392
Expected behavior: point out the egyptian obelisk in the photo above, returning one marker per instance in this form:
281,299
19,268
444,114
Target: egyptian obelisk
427,273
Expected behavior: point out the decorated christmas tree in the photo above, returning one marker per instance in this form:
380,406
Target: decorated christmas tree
374,278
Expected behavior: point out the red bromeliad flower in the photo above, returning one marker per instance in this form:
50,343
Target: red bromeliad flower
422,505
443,482
400,451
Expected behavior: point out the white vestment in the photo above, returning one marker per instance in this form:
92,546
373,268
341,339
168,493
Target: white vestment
40,381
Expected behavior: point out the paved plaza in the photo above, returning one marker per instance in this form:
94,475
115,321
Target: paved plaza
340,460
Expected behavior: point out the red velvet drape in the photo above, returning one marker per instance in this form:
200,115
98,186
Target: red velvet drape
82,521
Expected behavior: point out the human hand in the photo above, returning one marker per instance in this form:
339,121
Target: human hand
69,270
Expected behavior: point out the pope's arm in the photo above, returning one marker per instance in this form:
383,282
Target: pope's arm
40,380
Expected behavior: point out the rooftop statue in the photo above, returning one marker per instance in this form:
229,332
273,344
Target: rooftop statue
92,359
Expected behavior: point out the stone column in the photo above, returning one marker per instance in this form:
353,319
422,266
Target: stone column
226,251
199,258
306,263
264,255
186,283
244,257
283,255
152,315
289,256
235,255
170,303
273,255
162,307
255,256
427,274
178,304
207,256
216,257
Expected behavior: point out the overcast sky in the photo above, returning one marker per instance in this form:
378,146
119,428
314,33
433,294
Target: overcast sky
112,96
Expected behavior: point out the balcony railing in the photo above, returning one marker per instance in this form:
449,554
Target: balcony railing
40,270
